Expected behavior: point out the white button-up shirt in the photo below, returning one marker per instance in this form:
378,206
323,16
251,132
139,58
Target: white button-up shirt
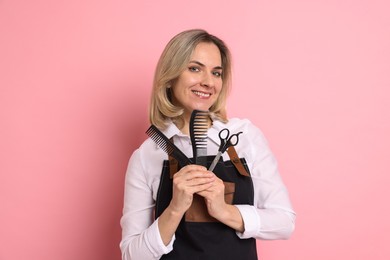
271,216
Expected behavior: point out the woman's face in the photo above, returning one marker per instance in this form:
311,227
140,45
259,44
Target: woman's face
199,85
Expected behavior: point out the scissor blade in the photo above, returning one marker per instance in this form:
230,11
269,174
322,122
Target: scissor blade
215,161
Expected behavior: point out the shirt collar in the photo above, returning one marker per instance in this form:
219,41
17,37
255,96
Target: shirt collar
171,130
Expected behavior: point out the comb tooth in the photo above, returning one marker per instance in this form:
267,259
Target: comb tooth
170,150
151,132
160,141
166,145
199,125
200,135
200,118
161,145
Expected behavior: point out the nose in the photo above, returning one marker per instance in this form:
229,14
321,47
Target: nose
207,80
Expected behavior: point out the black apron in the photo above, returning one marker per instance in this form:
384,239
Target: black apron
199,236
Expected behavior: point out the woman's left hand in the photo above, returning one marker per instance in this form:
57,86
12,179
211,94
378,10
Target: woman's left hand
219,209
215,198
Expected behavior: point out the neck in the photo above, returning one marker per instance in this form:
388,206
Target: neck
185,129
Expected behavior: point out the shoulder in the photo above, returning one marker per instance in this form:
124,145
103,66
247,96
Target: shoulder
238,122
245,125
252,139
147,150
146,162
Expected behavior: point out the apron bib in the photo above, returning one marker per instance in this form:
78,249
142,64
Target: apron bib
200,236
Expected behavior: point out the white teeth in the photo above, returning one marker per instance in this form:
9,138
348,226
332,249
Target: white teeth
201,94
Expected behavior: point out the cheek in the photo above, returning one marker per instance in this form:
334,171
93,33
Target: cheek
191,81
183,83
187,78
218,87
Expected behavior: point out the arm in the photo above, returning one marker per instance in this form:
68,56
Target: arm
143,238
140,233
219,209
272,216
189,180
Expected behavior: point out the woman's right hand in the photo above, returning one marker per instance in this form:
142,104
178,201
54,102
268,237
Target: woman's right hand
189,180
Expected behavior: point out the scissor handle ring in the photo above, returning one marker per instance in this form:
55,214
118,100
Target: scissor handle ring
233,139
222,136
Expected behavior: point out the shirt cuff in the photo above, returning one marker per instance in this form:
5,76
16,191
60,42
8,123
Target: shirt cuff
251,221
156,245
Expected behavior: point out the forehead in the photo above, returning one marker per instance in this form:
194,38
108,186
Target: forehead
207,53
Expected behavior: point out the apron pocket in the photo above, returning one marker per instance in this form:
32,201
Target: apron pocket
198,210
230,188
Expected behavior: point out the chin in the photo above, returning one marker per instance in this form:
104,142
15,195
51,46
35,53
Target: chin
204,108
201,106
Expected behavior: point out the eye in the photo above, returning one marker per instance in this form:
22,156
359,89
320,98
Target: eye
217,74
193,69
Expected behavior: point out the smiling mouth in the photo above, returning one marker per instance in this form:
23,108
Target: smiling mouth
201,94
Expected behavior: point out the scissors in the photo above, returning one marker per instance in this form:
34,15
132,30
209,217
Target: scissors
227,141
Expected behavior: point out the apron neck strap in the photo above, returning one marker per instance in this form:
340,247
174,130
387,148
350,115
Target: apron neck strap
237,161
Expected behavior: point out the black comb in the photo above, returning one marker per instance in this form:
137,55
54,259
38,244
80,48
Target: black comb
164,143
199,124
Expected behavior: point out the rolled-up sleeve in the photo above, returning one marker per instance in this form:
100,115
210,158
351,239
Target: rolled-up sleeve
140,233
272,215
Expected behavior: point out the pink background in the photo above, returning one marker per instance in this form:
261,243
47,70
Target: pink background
75,80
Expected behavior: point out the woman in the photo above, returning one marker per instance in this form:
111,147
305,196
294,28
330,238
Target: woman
175,211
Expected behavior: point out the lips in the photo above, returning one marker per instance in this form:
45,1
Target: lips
201,94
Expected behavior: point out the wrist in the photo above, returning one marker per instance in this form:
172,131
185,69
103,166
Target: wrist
173,212
225,213
231,216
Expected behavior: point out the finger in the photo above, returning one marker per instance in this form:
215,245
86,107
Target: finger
192,174
190,168
199,175
200,188
194,167
200,181
192,180
216,186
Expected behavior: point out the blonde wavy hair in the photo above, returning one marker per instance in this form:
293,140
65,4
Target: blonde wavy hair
173,61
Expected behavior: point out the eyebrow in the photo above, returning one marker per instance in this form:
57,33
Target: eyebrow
202,65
